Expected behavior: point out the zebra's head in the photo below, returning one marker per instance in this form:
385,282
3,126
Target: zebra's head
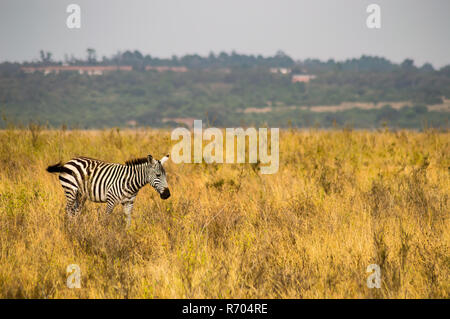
157,176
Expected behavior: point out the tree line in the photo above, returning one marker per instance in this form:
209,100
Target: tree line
219,88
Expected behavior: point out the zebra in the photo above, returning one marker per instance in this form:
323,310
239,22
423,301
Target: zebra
111,183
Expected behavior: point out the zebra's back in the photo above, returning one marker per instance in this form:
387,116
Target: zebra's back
90,176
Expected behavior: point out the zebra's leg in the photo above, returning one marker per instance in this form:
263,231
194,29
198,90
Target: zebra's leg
110,204
127,209
81,199
71,201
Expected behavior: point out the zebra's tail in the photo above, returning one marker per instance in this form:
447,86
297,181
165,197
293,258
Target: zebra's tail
57,168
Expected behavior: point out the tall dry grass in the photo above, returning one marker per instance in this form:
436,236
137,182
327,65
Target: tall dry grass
341,200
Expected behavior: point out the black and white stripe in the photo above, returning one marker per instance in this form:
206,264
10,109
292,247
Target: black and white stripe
87,178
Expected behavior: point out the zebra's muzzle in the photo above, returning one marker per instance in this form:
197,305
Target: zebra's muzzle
165,194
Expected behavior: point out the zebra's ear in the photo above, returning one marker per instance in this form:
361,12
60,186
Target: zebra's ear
150,159
164,159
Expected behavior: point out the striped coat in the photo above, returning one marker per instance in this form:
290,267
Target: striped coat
112,183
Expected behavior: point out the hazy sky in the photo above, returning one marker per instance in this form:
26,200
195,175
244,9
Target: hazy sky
303,29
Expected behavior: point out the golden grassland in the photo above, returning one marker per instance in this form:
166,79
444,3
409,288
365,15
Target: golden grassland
340,201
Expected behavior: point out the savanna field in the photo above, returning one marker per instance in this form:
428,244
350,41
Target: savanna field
341,200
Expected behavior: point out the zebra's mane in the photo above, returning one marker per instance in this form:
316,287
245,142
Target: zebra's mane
136,161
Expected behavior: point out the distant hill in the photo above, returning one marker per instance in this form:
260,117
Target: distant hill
130,89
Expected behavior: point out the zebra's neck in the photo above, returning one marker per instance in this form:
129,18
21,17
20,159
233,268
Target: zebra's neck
140,176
